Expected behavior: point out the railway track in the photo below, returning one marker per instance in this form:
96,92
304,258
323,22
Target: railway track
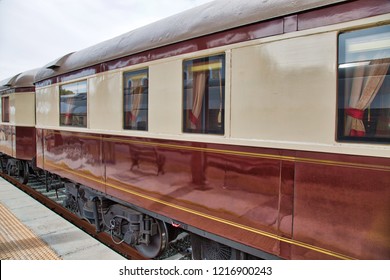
53,198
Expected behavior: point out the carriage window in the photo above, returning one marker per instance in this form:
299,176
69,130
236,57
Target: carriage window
73,104
204,95
5,109
364,85
136,100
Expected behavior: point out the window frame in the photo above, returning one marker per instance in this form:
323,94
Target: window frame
5,109
205,129
85,81
125,117
341,83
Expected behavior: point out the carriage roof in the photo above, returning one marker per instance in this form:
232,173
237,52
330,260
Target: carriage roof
22,80
206,19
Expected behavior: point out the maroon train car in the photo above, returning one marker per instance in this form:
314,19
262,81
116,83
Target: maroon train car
261,128
17,126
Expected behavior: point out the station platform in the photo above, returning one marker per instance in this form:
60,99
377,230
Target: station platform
30,231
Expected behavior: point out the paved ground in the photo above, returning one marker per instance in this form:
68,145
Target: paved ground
23,215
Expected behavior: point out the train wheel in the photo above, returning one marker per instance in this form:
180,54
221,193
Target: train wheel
19,169
71,204
3,164
157,244
206,249
22,172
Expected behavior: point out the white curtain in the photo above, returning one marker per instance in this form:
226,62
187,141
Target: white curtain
69,111
199,88
136,97
363,91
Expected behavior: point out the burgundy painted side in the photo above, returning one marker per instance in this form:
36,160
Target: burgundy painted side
270,199
40,147
25,142
286,204
342,12
75,156
344,208
18,141
20,89
7,139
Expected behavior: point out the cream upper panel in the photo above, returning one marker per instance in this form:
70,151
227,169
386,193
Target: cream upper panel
24,109
105,102
165,97
12,109
285,90
47,106
280,93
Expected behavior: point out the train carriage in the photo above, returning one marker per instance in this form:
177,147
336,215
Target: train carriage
262,128
17,126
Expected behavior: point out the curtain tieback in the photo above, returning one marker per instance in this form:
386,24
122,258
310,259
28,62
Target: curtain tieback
357,133
194,120
132,117
355,113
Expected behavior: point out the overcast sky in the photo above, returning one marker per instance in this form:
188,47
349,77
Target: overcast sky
35,32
